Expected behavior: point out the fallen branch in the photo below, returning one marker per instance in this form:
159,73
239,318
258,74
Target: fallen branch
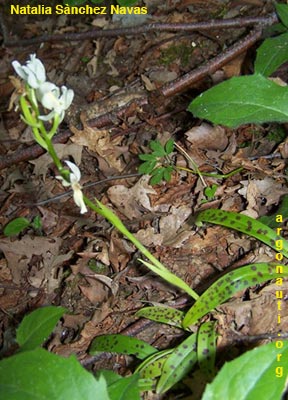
137,30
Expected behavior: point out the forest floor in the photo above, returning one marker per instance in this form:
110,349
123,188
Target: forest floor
79,261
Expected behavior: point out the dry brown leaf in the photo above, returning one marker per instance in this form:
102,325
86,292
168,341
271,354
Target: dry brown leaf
99,141
207,137
130,201
19,255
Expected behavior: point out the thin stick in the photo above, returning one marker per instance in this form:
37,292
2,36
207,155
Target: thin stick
154,27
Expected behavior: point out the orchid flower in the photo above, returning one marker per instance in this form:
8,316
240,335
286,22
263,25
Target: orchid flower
74,178
49,95
33,72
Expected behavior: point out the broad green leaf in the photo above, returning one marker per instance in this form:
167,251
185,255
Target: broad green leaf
16,226
164,315
158,149
157,176
147,167
228,285
122,344
147,157
242,100
251,376
40,375
282,11
271,54
120,388
37,326
169,146
178,364
244,224
206,348
167,174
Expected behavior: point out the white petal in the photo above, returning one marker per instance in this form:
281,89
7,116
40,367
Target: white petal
75,171
78,198
63,181
19,69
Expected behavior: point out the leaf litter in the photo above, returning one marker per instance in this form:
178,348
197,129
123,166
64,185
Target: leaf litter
65,266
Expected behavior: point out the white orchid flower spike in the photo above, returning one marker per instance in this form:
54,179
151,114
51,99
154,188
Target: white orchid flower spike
75,177
33,72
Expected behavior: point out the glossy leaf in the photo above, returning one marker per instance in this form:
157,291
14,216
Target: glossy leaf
282,11
38,374
122,344
37,326
16,226
242,100
120,388
245,224
251,376
228,285
165,315
206,348
271,54
178,364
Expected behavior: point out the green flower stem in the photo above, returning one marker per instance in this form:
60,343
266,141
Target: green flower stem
156,265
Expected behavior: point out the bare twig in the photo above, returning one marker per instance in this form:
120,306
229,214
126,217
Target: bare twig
137,30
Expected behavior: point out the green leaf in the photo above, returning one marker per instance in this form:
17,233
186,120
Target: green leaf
245,224
147,167
167,174
40,375
37,326
251,376
16,226
228,285
36,223
210,191
169,146
126,3
206,348
158,149
151,367
122,344
120,388
178,364
242,100
282,11
147,157
271,54
165,315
